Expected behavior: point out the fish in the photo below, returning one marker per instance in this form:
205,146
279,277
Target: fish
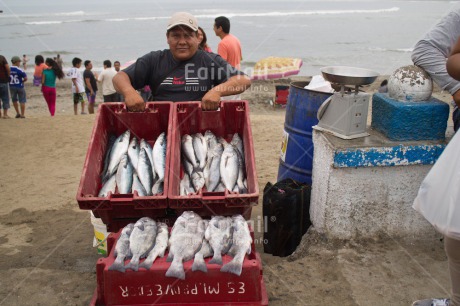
198,180
237,142
211,139
161,243
205,251
219,235
185,241
188,167
200,147
133,152
157,187
229,167
144,171
145,145
187,150
159,156
109,186
219,188
185,187
122,249
119,148
137,185
213,178
141,241
241,245
240,179
124,176
110,143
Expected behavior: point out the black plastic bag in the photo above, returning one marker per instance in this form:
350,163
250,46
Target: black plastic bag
286,210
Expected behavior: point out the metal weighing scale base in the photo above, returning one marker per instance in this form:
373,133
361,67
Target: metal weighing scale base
318,128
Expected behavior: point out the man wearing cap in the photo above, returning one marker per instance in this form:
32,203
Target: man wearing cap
182,72
18,93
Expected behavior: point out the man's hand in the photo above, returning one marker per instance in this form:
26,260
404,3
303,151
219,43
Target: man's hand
211,100
134,102
456,98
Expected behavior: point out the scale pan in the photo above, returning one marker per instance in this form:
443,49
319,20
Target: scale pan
348,75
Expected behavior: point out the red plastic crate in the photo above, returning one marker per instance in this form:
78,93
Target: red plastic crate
233,117
152,287
117,210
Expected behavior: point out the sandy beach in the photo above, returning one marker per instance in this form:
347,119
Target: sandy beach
46,253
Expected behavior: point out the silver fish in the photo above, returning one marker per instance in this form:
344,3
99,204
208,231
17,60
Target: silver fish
213,179
185,187
159,156
200,147
109,146
145,145
144,171
122,250
238,143
211,139
124,176
133,152
220,188
119,148
219,235
240,179
187,150
205,251
161,243
198,180
241,246
157,187
109,186
141,241
186,237
229,167
188,167
137,185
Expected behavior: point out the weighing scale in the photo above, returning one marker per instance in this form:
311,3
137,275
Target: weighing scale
344,114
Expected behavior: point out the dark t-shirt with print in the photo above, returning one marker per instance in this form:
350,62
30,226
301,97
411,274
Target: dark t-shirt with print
190,81
88,74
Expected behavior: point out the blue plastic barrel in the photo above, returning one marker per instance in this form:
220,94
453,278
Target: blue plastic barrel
296,159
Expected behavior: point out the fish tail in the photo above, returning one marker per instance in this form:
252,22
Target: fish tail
176,269
118,265
216,259
147,264
235,266
199,264
133,264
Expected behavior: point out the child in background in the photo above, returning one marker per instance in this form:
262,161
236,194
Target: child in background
39,67
78,87
18,93
50,74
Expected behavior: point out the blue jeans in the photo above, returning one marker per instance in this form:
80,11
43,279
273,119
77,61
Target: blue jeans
456,119
4,95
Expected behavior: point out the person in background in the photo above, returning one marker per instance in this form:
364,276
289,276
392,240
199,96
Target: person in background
90,85
49,83
182,72
78,87
117,66
25,59
202,40
106,76
18,93
39,67
431,52
229,47
59,61
4,92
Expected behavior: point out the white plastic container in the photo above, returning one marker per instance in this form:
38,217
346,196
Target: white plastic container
100,235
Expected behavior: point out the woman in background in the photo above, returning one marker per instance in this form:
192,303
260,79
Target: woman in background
202,39
50,73
39,67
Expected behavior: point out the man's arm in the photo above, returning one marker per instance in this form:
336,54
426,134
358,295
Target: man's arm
74,81
88,84
134,102
453,62
233,86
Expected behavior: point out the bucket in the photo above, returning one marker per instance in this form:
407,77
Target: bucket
296,158
100,235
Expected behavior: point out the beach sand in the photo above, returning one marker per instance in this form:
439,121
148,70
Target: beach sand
46,253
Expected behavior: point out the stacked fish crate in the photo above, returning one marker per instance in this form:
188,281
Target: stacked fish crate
209,176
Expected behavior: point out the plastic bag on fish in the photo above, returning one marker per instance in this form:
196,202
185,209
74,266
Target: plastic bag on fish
438,198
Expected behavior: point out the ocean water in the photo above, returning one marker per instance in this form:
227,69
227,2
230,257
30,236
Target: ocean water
377,35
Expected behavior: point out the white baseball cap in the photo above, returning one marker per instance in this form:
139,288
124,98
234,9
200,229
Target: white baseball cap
183,18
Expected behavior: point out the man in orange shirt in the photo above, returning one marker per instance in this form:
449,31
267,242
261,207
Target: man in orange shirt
229,47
